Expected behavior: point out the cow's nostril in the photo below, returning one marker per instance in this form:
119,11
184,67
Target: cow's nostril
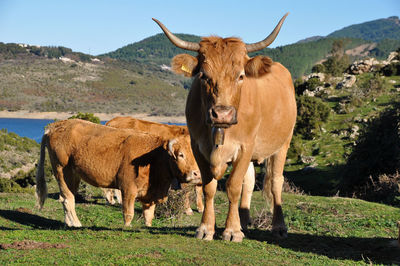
213,113
195,173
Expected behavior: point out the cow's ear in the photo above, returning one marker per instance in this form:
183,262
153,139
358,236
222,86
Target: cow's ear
184,64
258,66
171,148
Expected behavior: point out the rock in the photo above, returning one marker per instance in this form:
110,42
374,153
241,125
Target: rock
319,76
354,132
363,66
347,81
307,159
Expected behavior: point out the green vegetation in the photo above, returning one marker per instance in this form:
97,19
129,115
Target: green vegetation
375,30
86,116
322,231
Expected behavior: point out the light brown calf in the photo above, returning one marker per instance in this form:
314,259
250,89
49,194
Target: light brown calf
141,165
167,132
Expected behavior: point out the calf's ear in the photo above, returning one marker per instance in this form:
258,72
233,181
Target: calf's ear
258,66
184,64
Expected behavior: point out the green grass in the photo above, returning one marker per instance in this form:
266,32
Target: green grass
329,231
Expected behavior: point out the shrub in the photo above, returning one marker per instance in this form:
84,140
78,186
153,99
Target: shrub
173,207
311,113
86,116
335,65
392,69
318,68
310,85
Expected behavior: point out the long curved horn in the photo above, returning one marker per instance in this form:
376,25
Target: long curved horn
191,46
267,41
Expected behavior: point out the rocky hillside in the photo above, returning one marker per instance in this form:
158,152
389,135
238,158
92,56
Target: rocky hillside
333,112
33,78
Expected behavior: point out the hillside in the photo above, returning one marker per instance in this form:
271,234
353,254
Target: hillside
32,79
375,31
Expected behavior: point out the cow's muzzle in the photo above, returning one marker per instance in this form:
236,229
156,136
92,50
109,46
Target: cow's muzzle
222,116
194,177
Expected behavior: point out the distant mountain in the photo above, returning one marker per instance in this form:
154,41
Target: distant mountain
376,30
311,39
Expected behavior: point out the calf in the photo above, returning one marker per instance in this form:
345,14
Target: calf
141,165
167,132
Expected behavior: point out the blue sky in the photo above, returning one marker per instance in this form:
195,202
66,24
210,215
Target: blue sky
99,26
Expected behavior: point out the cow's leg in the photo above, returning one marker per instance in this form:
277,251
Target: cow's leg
199,198
186,199
247,192
206,229
148,213
233,188
67,196
129,193
273,189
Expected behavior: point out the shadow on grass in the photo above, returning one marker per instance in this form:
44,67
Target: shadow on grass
31,220
38,222
377,250
97,200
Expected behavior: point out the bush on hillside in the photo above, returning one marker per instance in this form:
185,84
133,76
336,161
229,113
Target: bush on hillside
86,116
311,114
309,85
376,153
392,69
318,68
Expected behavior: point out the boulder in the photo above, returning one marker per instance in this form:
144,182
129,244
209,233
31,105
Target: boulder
363,66
347,81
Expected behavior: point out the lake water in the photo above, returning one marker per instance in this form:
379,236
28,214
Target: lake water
31,128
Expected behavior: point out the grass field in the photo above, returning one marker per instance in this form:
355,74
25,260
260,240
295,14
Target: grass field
330,231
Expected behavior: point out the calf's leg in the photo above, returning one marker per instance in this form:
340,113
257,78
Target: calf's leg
67,196
148,213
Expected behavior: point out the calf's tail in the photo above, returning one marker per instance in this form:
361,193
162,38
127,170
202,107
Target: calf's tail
41,186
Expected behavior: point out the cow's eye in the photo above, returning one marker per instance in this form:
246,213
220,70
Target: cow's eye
181,155
241,77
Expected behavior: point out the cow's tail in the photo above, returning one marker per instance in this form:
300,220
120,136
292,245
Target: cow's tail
41,186
267,186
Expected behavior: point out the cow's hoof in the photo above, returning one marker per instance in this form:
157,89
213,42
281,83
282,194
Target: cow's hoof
200,210
229,235
189,211
279,233
203,233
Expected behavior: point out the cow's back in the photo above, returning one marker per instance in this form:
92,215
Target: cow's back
164,130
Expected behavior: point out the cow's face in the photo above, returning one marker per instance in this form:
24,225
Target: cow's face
182,162
220,69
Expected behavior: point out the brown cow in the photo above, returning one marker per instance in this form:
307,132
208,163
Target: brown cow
239,109
167,132
141,165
